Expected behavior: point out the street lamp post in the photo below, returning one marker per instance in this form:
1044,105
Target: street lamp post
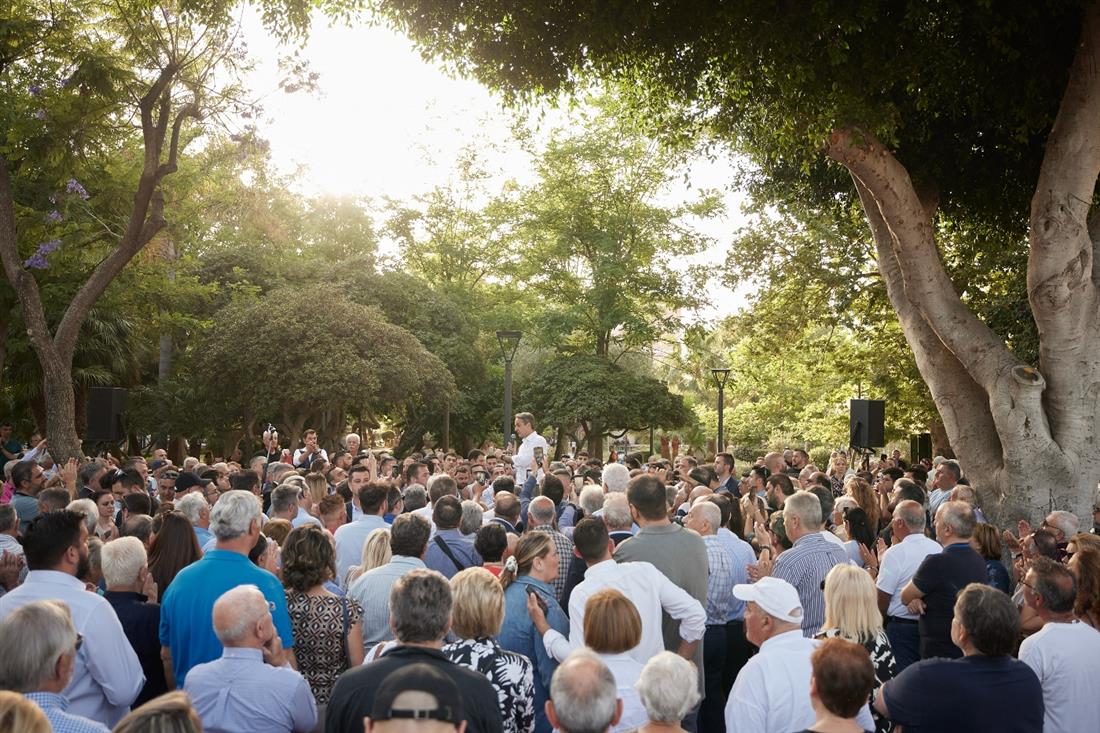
509,342
720,377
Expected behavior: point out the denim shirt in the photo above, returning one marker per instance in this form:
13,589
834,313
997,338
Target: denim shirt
518,634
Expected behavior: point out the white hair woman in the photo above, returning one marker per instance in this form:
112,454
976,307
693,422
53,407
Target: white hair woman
851,613
668,688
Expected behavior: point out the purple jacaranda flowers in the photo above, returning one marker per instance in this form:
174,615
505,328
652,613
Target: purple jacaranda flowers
35,90
54,216
46,247
36,262
40,114
74,187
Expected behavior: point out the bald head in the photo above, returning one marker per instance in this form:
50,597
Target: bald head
541,511
774,463
506,506
239,615
705,517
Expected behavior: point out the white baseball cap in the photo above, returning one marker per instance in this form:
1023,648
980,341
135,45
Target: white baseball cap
776,597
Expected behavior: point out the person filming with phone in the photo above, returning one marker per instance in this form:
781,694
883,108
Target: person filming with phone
532,447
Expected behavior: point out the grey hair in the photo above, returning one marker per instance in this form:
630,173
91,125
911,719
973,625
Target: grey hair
284,496
806,506
616,512
89,470
1066,522
415,497
234,513
615,477
295,480
191,506
420,607
472,517
591,499
711,513
32,638
245,605
86,507
912,514
960,517
9,519
542,510
275,471
122,560
584,693
668,687
962,492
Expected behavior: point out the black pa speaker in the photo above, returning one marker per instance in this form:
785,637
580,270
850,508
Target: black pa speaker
920,446
106,410
866,423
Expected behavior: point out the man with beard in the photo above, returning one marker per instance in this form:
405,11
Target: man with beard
107,675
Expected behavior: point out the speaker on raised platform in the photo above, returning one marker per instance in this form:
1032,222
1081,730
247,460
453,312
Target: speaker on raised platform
106,410
866,423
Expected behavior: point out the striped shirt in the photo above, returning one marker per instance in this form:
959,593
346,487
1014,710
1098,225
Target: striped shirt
805,566
719,581
564,547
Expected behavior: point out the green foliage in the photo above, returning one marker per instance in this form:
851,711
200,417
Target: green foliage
569,390
289,359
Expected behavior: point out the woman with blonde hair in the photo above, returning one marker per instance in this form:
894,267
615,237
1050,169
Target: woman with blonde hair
376,553
851,613
316,487
169,713
20,715
864,495
837,471
526,579
476,618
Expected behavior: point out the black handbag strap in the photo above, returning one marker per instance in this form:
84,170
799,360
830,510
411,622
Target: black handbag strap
447,551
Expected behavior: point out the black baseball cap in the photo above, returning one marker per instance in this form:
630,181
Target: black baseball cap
423,678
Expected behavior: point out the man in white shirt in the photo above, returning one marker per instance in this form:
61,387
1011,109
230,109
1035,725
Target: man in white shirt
107,675
529,442
896,568
309,452
772,691
645,585
1065,653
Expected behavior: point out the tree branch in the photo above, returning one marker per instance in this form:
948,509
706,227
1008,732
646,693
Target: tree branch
1062,271
169,166
961,401
927,286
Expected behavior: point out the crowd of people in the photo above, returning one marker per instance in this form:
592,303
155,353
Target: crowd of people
508,591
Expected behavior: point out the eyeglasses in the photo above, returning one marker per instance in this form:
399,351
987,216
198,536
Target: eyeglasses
271,606
79,641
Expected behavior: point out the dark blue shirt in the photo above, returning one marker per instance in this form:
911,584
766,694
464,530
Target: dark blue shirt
975,693
998,575
940,577
140,621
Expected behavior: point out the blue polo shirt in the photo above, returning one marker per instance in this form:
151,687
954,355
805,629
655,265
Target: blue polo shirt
186,625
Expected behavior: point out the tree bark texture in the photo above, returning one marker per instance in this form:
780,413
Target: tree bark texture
1025,435
55,349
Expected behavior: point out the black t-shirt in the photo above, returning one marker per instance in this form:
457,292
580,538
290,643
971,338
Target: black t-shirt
353,694
940,577
971,694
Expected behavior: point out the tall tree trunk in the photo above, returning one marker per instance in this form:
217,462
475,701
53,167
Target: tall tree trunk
1025,436
595,440
5,326
55,349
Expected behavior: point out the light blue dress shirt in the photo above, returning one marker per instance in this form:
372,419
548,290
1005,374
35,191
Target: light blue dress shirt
350,540
240,692
461,546
372,591
107,675
742,555
56,709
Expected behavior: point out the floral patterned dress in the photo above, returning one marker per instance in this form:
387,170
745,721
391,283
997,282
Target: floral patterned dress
882,657
320,637
511,675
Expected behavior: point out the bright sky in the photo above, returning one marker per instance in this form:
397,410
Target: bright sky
387,123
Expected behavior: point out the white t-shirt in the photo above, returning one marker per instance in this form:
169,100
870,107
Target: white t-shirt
1066,658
